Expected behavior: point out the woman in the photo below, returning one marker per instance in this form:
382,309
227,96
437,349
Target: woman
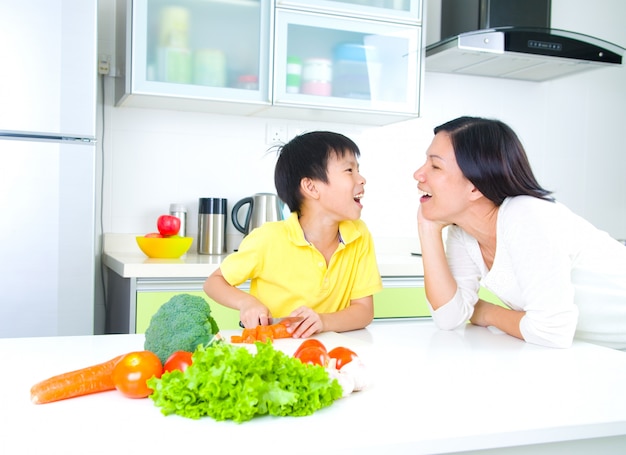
557,273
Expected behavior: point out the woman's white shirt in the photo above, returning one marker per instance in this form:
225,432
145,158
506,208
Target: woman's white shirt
568,276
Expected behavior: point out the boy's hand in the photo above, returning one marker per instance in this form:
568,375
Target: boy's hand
310,325
254,313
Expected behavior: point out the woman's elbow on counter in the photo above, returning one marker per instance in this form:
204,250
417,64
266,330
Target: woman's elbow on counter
559,336
552,342
446,320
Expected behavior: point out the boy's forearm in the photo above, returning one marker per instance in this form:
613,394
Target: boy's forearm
218,289
358,315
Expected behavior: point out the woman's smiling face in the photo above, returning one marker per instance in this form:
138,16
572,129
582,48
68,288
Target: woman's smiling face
445,192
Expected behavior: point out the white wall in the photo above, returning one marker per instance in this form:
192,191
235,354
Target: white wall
572,129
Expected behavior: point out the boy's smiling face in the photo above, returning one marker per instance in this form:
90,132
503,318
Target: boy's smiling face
341,195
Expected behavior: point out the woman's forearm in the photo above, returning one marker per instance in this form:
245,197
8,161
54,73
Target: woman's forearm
439,284
505,319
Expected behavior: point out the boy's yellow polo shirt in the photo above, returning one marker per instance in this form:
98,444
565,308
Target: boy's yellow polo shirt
286,271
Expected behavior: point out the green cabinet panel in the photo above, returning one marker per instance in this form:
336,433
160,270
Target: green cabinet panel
401,302
149,302
489,296
394,301
389,303
400,298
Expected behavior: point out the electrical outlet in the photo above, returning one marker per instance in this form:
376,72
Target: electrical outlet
104,64
275,134
294,131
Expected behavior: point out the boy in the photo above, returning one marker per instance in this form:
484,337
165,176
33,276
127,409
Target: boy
319,263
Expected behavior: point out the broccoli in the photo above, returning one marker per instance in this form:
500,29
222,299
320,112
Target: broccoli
180,324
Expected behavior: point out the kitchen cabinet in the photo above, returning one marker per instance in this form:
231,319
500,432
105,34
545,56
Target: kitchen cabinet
137,286
346,61
408,11
391,302
133,301
149,302
401,297
405,297
186,54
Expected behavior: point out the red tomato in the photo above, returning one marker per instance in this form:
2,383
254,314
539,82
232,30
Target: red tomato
133,370
342,355
168,225
313,355
154,235
310,342
179,360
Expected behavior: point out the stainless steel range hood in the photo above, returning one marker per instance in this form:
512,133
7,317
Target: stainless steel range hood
513,39
532,54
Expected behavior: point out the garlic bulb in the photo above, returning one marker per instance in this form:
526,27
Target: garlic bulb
359,373
346,381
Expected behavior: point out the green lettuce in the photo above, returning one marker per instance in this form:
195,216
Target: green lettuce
227,382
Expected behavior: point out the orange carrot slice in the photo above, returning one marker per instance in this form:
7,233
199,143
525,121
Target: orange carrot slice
249,335
264,333
92,379
280,331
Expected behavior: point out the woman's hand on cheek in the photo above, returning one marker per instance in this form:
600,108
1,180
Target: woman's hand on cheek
426,226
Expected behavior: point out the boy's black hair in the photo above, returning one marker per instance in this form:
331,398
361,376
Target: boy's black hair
305,156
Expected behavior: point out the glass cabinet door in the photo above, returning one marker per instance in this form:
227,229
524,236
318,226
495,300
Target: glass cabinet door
409,11
201,49
336,62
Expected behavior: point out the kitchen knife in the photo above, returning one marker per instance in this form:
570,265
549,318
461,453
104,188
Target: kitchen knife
287,321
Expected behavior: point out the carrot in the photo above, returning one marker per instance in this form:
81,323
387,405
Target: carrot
249,335
280,331
264,333
92,379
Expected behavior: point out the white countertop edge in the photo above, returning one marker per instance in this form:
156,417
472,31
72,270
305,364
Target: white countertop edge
533,441
123,256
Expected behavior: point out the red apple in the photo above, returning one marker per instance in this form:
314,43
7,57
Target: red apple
168,225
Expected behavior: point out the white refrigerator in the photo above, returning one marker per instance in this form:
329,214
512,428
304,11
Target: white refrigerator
48,85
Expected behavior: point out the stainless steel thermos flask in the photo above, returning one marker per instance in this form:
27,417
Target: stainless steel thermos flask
212,218
180,212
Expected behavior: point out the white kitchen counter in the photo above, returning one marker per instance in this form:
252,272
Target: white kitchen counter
123,256
433,392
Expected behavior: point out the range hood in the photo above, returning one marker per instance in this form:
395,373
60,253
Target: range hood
513,39
530,54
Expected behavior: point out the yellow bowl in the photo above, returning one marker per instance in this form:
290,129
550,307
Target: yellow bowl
164,248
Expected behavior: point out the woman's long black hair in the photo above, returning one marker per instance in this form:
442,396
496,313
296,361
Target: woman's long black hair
492,157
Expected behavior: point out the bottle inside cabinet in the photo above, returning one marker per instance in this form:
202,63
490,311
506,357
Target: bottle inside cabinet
194,42
371,66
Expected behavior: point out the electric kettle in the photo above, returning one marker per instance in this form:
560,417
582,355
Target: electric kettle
262,207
